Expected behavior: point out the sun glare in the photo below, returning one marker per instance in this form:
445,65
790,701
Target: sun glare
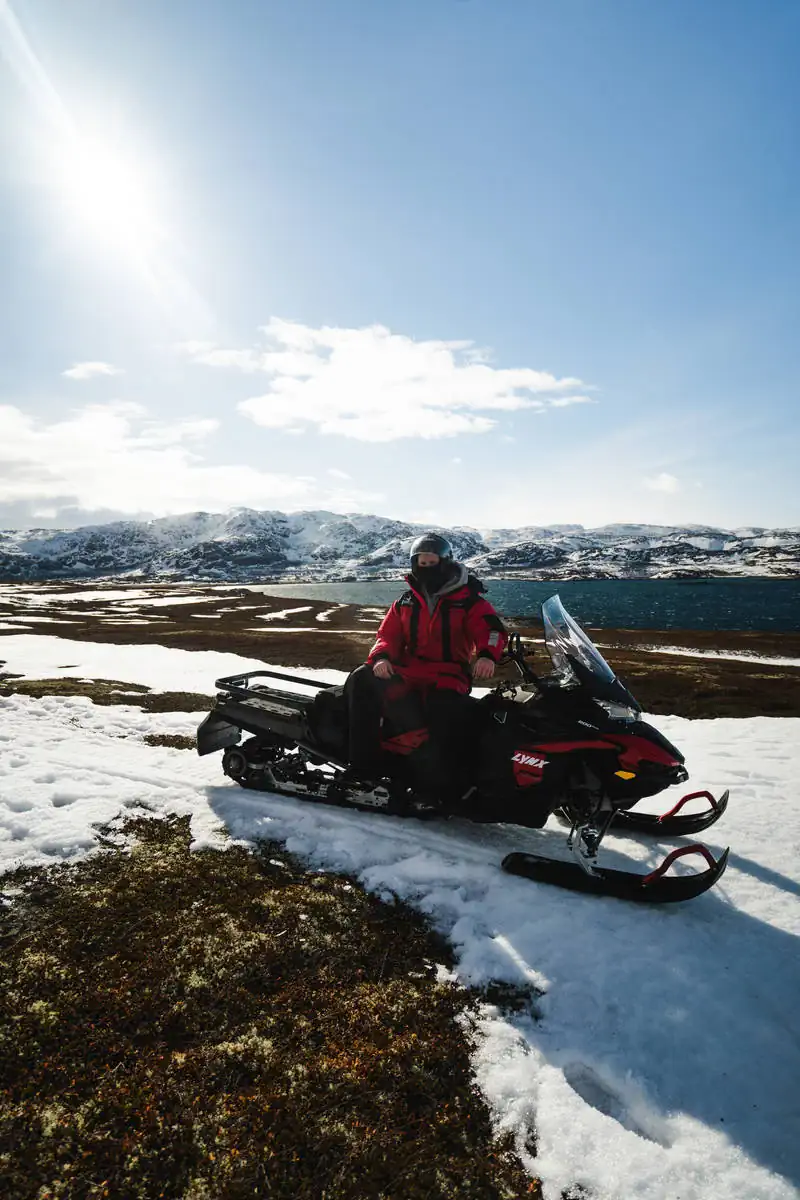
102,189
109,194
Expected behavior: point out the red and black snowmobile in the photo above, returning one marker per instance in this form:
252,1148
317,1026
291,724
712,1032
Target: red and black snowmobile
570,743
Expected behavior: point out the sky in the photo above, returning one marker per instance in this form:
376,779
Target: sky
463,262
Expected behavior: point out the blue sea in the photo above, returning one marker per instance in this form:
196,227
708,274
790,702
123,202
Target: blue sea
769,605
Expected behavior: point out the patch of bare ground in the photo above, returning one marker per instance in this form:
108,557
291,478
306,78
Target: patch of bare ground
175,741
106,691
227,1024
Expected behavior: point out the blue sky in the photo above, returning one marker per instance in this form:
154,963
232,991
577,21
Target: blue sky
483,262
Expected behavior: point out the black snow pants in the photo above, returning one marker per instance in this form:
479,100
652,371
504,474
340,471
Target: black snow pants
447,765
366,698
454,723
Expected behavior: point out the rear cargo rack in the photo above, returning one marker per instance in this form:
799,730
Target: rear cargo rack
239,685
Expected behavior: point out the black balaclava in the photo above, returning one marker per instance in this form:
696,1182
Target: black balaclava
432,578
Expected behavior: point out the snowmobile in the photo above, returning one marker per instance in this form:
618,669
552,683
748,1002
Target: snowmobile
569,744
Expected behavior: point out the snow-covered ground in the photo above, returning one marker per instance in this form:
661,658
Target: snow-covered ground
328,613
664,1058
35,596
29,620
162,668
283,613
166,601
281,629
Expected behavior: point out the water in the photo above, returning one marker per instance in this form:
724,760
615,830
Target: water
770,605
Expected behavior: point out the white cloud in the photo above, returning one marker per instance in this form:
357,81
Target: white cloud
567,401
194,349
377,386
664,482
90,370
114,456
335,473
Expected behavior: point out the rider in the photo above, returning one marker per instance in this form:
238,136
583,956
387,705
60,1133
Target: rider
433,631
437,638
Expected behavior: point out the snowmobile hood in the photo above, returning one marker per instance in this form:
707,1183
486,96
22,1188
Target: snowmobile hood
578,661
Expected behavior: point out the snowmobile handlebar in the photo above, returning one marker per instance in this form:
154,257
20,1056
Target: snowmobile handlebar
515,653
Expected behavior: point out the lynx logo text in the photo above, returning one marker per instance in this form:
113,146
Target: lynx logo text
528,760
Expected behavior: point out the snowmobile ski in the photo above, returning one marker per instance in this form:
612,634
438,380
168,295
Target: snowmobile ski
655,888
669,824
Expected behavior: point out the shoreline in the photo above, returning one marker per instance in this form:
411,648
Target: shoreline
693,673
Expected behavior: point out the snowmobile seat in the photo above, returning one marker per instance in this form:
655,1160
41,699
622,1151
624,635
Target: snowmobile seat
327,720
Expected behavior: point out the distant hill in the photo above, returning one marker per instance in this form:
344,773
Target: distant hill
245,544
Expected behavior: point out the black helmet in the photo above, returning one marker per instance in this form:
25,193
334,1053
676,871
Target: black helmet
431,543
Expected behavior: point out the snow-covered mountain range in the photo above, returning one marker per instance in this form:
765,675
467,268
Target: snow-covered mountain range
246,544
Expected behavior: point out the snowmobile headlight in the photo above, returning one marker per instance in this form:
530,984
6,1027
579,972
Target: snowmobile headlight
618,712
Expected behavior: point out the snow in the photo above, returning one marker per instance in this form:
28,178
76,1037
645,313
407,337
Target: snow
326,615
165,601
37,597
662,1057
162,668
124,621
282,629
282,613
30,620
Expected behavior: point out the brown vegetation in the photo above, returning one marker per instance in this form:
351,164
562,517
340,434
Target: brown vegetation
175,741
105,692
226,1024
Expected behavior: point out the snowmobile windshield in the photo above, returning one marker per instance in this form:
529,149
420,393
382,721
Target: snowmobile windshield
578,661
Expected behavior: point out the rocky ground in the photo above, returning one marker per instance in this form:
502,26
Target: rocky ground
684,672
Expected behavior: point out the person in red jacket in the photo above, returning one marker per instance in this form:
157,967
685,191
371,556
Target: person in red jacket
441,632
436,639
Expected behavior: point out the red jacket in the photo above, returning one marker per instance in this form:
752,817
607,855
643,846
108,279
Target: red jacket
436,647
